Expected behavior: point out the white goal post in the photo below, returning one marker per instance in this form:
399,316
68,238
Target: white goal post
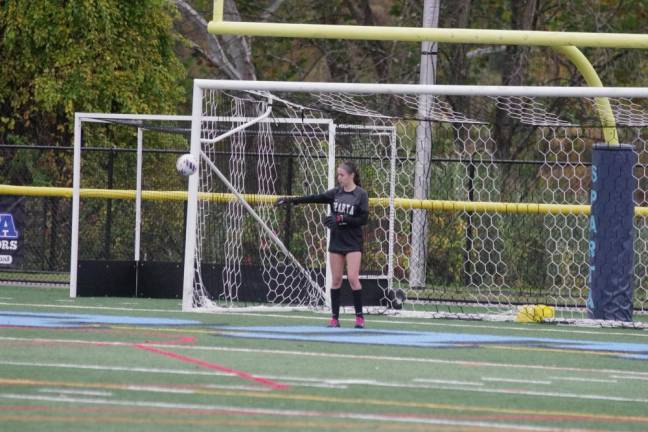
473,185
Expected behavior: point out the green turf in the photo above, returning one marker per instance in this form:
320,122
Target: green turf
99,378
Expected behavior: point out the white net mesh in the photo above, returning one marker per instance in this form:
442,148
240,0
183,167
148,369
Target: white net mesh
518,150
238,262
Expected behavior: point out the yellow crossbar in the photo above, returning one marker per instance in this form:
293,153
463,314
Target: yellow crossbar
440,35
402,203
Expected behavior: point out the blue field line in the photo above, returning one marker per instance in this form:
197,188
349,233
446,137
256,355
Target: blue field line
306,333
68,320
428,339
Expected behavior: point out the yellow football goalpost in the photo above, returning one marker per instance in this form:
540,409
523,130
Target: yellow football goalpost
565,43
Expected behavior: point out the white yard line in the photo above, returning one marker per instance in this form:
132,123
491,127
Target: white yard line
451,382
75,392
420,383
630,376
234,410
114,368
545,394
372,358
512,380
587,380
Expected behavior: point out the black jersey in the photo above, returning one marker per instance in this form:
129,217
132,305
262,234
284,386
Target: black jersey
354,208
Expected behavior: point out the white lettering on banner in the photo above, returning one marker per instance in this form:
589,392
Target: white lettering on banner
6,259
8,245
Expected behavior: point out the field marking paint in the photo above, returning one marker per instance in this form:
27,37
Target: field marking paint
477,324
283,316
469,363
424,339
630,377
430,384
75,392
113,368
358,401
545,394
587,380
112,308
215,366
74,320
226,422
398,418
437,381
512,380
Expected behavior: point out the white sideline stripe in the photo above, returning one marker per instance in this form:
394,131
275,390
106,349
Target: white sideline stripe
512,380
236,387
280,412
338,355
156,389
436,381
114,368
592,380
630,377
439,323
75,392
295,381
545,394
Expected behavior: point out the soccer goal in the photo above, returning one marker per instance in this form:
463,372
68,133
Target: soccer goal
507,213
128,205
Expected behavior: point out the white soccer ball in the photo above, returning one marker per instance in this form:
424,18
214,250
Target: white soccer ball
187,164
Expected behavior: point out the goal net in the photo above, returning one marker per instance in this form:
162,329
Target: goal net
502,180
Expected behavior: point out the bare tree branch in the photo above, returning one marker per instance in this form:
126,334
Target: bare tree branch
270,10
365,16
232,56
237,47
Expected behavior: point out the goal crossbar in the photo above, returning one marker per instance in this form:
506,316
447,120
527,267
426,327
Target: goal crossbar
416,89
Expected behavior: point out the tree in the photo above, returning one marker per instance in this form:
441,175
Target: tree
59,57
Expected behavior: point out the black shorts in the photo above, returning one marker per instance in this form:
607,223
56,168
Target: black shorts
343,252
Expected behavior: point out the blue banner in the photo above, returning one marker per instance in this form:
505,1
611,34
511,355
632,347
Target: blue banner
611,232
11,238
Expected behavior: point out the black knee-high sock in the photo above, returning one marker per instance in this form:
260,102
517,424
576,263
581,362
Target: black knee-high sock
357,302
335,303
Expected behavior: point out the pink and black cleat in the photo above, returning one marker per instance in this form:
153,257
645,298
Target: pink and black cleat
359,323
334,323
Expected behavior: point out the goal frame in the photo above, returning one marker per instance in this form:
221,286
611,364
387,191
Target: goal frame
84,117
202,85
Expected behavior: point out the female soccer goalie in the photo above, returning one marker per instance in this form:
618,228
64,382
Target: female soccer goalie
349,205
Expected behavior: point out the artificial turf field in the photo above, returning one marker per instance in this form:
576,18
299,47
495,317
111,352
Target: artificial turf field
117,364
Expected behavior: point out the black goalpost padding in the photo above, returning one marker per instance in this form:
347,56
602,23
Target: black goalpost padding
611,244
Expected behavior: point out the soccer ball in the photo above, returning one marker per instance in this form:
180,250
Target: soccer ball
187,164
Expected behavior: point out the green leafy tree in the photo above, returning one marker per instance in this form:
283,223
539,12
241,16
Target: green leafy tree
62,57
